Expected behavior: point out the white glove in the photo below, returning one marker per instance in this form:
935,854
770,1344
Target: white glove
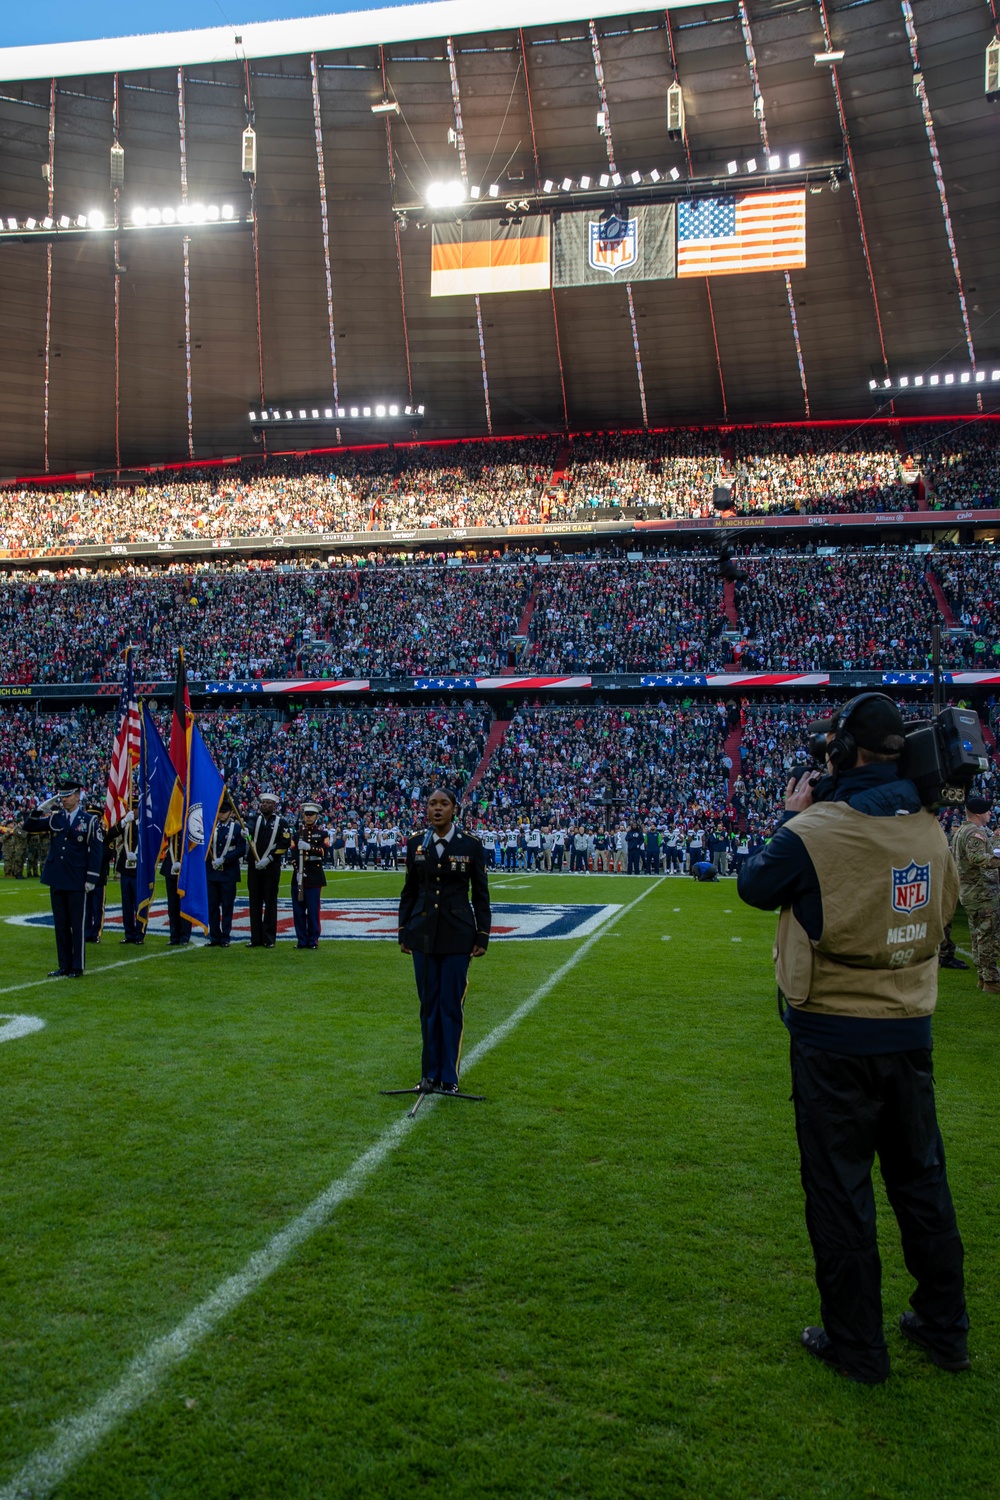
175,869
217,864
262,864
90,885
129,817
303,844
130,862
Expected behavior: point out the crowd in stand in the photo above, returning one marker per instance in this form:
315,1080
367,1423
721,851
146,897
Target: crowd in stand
525,481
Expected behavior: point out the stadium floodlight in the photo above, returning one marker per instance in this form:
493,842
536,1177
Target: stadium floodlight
616,179
995,375
31,223
887,383
315,412
354,411
654,175
873,385
566,184
819,58
169,216
366,411
11,223
386,107
380,411
328,413
420,411
584,183
253,415
918,380
81,221
547,185
394,411
445,194
227,211
212,213
980,376
198,214
140,217
935,379
605,180
904,381
341,412
302,414
752,164
95,219
675,175
635,179
47,222
288,416
732,167
949,380
474,191
774,163
154,216
965,377
794,160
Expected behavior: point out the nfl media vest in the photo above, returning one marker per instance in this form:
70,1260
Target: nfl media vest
888,887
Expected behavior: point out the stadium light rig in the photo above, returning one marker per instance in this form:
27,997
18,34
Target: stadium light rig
341,415
937,382
182,216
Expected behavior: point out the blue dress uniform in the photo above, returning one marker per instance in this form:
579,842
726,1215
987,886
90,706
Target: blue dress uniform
225,852
76,850
444,912
125,865
180,928
309,846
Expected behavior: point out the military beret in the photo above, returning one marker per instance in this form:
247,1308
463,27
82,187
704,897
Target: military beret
978,805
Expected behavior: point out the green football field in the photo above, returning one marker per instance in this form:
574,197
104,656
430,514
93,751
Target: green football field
231,1269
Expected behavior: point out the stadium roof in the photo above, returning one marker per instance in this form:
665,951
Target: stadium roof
900,287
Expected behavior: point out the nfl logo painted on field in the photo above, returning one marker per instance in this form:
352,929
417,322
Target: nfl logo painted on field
614,244
911,887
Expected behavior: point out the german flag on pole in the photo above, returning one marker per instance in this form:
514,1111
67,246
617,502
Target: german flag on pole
471,257
180,746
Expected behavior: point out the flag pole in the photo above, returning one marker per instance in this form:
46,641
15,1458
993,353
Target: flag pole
239,819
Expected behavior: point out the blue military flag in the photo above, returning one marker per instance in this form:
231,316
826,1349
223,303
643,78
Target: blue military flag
157,779
205,791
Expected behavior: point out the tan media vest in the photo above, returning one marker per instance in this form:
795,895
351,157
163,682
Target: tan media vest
884,915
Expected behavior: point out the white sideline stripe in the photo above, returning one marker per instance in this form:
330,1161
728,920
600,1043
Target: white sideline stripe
19,1026
77,1437
121,963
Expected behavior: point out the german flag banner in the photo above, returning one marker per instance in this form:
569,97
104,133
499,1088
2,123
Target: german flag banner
487,256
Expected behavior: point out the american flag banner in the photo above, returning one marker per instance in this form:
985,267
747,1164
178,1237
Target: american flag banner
124,751
741,232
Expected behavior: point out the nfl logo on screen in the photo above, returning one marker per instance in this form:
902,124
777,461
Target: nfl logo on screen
911,887
614,244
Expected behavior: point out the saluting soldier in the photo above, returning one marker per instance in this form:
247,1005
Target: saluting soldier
270,837
72,868
309,845
126,858
170,868
444,919
226,851
979,889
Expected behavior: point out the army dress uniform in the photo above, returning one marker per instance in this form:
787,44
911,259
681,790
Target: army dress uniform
444,912
309,846
271,836
76,851
226,851
979,893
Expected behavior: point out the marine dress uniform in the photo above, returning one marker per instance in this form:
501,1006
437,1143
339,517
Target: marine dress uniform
73,866
271,838
444,912
226,851
309,846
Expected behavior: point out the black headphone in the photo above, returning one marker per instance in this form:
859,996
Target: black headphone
842,750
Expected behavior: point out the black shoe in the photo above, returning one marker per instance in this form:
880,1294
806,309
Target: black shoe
74,974
951,963
302,945
817,1342
426,1086
913,1327
267,945
57,973
447,1088
224,943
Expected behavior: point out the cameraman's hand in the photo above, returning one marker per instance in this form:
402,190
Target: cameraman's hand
799,792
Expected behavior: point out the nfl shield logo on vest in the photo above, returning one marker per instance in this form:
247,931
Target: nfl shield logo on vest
911,887
614,244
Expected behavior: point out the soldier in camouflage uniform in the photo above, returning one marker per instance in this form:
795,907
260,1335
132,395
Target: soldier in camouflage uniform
15,846
31,865
979,889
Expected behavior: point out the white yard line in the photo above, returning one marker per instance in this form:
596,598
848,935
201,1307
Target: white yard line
121,963
78,1436
19,1026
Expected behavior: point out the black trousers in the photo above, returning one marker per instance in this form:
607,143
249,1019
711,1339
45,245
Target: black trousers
68,914
262,890
221,901
848,1110
180,930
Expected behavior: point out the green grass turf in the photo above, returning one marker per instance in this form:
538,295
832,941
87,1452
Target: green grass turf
591,1285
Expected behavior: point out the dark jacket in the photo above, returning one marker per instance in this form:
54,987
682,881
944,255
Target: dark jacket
445,904
76,855
308,862
230,861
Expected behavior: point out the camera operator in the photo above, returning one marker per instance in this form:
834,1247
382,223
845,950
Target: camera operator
865,884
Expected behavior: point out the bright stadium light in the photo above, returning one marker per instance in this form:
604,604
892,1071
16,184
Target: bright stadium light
95,219
819,58
732,167
140,217
445,195
794,160
635,179
81,221
752,164
584,183
11,223
47,223
566,184
31,223
774,163
675,175
654,175
227,211
212,213
604,180
918,380
380,411
154,216
616,179
474,190
169,216
547,187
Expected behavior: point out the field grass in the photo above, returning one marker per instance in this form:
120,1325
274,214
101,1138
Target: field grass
591,1285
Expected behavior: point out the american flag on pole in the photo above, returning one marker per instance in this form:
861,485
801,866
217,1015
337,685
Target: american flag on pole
741,232
124,751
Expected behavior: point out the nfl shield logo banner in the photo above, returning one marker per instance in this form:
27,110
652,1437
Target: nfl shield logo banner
911,887
615,248
614,244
